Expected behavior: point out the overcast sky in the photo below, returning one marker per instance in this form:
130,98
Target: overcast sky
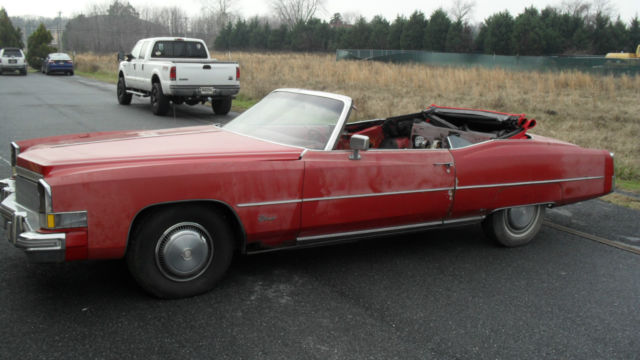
627,9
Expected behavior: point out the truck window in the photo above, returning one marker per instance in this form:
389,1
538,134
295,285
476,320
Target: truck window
179,49
136,50
143,49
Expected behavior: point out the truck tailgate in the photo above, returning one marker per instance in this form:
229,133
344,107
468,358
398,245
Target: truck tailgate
206,74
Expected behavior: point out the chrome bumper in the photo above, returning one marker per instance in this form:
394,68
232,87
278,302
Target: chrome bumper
218,91
19,224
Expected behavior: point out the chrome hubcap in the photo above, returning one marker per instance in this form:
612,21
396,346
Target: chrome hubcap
184,251
520,218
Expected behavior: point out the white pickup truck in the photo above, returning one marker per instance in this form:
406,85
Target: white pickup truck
178,70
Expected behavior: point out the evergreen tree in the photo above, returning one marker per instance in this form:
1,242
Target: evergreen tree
312,35
528,33
620,35
499,29
634,34
279,38
395,33
379,33
38,46
9,36
413,32
357,37
240,35
480,38
602,40
553,38
223,40
459,38
435,34
258,34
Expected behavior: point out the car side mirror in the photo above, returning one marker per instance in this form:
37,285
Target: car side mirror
120,56
357,143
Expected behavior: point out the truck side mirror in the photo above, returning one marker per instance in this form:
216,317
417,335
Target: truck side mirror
357,143
120,56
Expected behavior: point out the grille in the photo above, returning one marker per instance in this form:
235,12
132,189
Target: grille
27,191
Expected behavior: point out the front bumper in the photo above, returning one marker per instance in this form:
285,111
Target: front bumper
19,224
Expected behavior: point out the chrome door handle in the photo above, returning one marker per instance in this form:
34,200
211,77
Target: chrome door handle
448,165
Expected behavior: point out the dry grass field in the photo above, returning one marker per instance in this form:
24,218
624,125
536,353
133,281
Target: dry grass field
589,110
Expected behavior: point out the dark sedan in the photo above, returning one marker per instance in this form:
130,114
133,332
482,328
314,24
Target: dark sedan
57,62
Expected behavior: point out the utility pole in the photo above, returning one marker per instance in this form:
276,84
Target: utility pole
59,37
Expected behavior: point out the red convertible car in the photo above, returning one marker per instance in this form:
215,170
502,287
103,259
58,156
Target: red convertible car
290,172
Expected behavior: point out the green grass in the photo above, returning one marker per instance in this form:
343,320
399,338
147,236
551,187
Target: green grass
628,185
242,102
107,77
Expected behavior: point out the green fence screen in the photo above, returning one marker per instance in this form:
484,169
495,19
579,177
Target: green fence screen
592,64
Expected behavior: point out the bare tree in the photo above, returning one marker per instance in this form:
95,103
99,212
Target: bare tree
350,17
461,9
603,7
291,12
580,8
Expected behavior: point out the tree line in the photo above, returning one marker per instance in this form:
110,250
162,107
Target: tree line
577,28
533,32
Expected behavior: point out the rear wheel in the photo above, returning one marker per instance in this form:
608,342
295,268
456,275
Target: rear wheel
159,102
180,252
221,106
124,98
514,226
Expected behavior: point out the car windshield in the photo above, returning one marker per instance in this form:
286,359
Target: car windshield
12,52
291,118
179,49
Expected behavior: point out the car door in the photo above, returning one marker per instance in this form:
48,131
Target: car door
131,67
143,72
383,191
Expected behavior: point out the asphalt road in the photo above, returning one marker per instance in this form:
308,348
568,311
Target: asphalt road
445,294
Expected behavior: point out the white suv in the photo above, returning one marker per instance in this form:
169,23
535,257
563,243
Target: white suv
12,59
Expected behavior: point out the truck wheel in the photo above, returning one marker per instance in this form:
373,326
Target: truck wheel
159,102
221,106
515,226
180,252
124,98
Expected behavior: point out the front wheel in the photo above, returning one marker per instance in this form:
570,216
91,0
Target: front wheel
221,106
180,252
159,102
515,226
124,98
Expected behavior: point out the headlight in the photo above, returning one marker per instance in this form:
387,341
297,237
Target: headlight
61,220
15,151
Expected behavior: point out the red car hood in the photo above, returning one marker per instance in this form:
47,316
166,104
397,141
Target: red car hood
41,155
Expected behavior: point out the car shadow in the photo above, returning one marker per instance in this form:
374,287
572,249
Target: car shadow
99,281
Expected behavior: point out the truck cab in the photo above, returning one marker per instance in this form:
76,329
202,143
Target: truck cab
176,70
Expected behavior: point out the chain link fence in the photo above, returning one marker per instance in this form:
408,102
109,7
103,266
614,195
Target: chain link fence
591,64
